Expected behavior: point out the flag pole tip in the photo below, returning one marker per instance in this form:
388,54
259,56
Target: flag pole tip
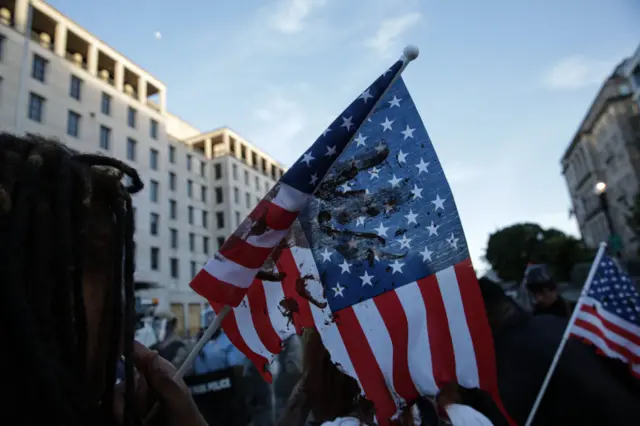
410,53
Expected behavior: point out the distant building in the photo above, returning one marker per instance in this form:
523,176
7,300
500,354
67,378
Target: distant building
57,79
606,149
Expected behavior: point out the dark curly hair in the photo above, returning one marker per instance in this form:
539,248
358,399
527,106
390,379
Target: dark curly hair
63,215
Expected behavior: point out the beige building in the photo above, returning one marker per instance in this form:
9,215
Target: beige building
604,158
60,80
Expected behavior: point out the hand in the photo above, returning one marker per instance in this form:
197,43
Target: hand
156,384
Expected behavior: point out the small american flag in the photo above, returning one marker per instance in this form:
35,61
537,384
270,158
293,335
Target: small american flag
377,262
609,317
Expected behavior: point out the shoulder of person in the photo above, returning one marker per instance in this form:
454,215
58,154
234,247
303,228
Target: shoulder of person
344,421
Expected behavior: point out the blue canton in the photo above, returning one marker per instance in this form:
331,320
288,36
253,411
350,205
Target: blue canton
307,173
384,216
615,291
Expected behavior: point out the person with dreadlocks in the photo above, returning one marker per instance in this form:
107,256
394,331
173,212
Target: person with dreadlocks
66,273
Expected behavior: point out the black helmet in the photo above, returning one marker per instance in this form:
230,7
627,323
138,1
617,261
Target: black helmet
537,278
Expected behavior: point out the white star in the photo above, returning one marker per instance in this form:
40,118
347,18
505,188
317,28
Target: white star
327,130
326,255
381,230
408,132
380,147
416,192
346,123
331,150
314,179
395,181
402,157
422,166
394,102
366,279
345,187
307,158
337,290
438,202
373,173
360,139
366,95
353,243
433,229
404,242
396,266
345,267
453,241
388,208
360,220
411,217
386,125
426,254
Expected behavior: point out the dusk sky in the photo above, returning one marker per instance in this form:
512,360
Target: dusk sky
501,85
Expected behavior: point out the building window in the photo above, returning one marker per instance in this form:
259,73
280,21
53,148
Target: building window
73,124
105,138
153,159
192,241
203,168
217,171
263,162
243,153
236,195
190,214
173,209
172,154
247,199
203,193
36,107
205,245
2,39
234,172
193,269
257,200
155,258
172,181
220,242
189,188
39,68
131,117
174,267
219,197
174,238
205,219
189,162
153,191
154,223
131,149
257,183
153,129
246,177
75,87
237,218
220,220
105,104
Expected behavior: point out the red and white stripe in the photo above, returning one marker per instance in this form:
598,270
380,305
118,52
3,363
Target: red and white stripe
227,276
613,336
398,345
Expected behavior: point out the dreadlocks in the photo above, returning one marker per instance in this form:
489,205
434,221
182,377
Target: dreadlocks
63,215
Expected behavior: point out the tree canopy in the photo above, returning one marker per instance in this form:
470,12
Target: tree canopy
510,249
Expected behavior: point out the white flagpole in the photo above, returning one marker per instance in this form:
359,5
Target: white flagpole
567,332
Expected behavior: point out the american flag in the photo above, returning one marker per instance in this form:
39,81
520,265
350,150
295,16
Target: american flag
609,317
377,262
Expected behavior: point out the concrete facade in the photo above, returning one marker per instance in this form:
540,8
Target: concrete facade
60,81
606,148
633,74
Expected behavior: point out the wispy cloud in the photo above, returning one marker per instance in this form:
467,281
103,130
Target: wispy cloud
576,72
290,16
391,30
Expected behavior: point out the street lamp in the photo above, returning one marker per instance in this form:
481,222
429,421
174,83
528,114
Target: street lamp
601,190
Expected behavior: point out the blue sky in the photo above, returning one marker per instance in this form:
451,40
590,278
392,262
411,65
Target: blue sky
501,85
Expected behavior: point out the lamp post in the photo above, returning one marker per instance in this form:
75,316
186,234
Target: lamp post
612,238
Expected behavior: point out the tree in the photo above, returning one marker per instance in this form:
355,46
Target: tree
510,249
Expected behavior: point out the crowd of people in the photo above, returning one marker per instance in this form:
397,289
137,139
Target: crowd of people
67,265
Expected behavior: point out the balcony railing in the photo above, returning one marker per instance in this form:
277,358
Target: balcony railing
77,61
